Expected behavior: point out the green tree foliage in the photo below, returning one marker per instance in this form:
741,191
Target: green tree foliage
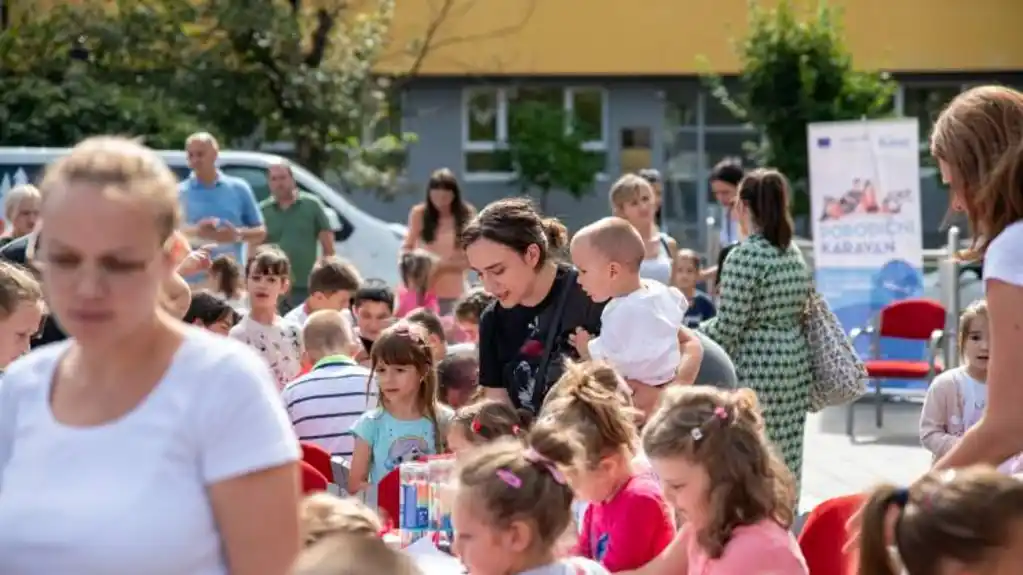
796,71
248,70
547,154
309,71
41,112
70,74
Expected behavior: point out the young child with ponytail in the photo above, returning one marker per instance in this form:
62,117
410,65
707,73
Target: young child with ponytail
965,522
736,496
512,504
482,422
626,523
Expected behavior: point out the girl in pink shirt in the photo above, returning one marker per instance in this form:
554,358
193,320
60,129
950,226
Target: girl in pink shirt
626,522
736,497
416,270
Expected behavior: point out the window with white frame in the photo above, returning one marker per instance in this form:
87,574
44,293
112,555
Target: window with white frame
485,122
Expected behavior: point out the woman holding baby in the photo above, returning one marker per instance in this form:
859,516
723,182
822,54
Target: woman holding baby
525,334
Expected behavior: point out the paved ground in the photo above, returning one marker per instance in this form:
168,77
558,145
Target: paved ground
834,465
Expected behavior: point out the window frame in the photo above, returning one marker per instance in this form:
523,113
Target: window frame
899,106
500,143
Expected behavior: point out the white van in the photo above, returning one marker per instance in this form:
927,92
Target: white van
369,243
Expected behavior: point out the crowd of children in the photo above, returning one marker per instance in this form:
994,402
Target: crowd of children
703,462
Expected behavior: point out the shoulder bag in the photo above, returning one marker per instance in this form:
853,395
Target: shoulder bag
839,375
553,329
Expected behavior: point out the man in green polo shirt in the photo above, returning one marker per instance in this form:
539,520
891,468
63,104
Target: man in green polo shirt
295,221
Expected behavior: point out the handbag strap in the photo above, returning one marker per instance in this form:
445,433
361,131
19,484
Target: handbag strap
553,329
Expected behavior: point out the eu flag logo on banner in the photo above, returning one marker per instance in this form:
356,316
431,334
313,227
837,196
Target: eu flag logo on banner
823,142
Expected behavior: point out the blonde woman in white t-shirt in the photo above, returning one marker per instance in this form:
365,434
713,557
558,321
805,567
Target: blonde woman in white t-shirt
139,445
978,142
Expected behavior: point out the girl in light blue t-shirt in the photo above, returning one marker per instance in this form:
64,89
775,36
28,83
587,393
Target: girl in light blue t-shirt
410,422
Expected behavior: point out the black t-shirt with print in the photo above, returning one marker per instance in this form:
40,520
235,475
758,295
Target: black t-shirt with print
512,340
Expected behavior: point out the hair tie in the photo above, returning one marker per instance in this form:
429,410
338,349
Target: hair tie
720,413
900,497
515,430
509,478
475,426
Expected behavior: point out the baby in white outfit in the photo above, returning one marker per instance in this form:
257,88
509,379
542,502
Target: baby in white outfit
640,325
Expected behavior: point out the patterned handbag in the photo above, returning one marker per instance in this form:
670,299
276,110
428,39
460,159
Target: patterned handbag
839,375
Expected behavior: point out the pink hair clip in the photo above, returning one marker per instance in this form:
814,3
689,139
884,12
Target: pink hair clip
720,413
510,478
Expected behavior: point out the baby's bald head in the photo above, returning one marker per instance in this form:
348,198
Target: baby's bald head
615,239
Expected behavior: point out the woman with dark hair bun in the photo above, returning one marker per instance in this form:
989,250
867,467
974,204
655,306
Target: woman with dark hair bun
435,225
764,287
517,254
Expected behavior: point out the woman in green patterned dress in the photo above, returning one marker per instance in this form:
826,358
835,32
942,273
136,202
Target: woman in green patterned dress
764,286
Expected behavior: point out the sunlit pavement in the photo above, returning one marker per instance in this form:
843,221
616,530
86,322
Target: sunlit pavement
834,465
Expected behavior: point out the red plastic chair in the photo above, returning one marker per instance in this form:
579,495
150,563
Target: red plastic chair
824,534
388,498
312,480
319,458
915,319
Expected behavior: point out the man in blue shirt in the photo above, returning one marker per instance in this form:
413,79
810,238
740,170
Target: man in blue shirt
219,209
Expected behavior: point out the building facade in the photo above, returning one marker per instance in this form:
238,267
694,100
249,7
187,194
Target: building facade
630,74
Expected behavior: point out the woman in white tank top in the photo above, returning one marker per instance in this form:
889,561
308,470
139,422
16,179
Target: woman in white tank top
632,198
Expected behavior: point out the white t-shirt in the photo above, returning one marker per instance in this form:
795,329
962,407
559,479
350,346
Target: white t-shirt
300,314
280,344
639,333
130,496
1004,258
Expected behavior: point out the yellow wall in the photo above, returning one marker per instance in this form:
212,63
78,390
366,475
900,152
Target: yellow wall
637,37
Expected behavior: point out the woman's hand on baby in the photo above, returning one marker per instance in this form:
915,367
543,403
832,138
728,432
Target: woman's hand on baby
580,340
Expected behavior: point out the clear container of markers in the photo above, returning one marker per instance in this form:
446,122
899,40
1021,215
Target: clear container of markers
440,475
413,501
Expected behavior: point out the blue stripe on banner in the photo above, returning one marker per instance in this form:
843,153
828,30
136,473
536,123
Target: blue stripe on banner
858,295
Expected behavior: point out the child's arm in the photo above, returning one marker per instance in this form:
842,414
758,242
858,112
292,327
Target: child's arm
939,402
581,340
358,476
692,356
674,560
363,430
